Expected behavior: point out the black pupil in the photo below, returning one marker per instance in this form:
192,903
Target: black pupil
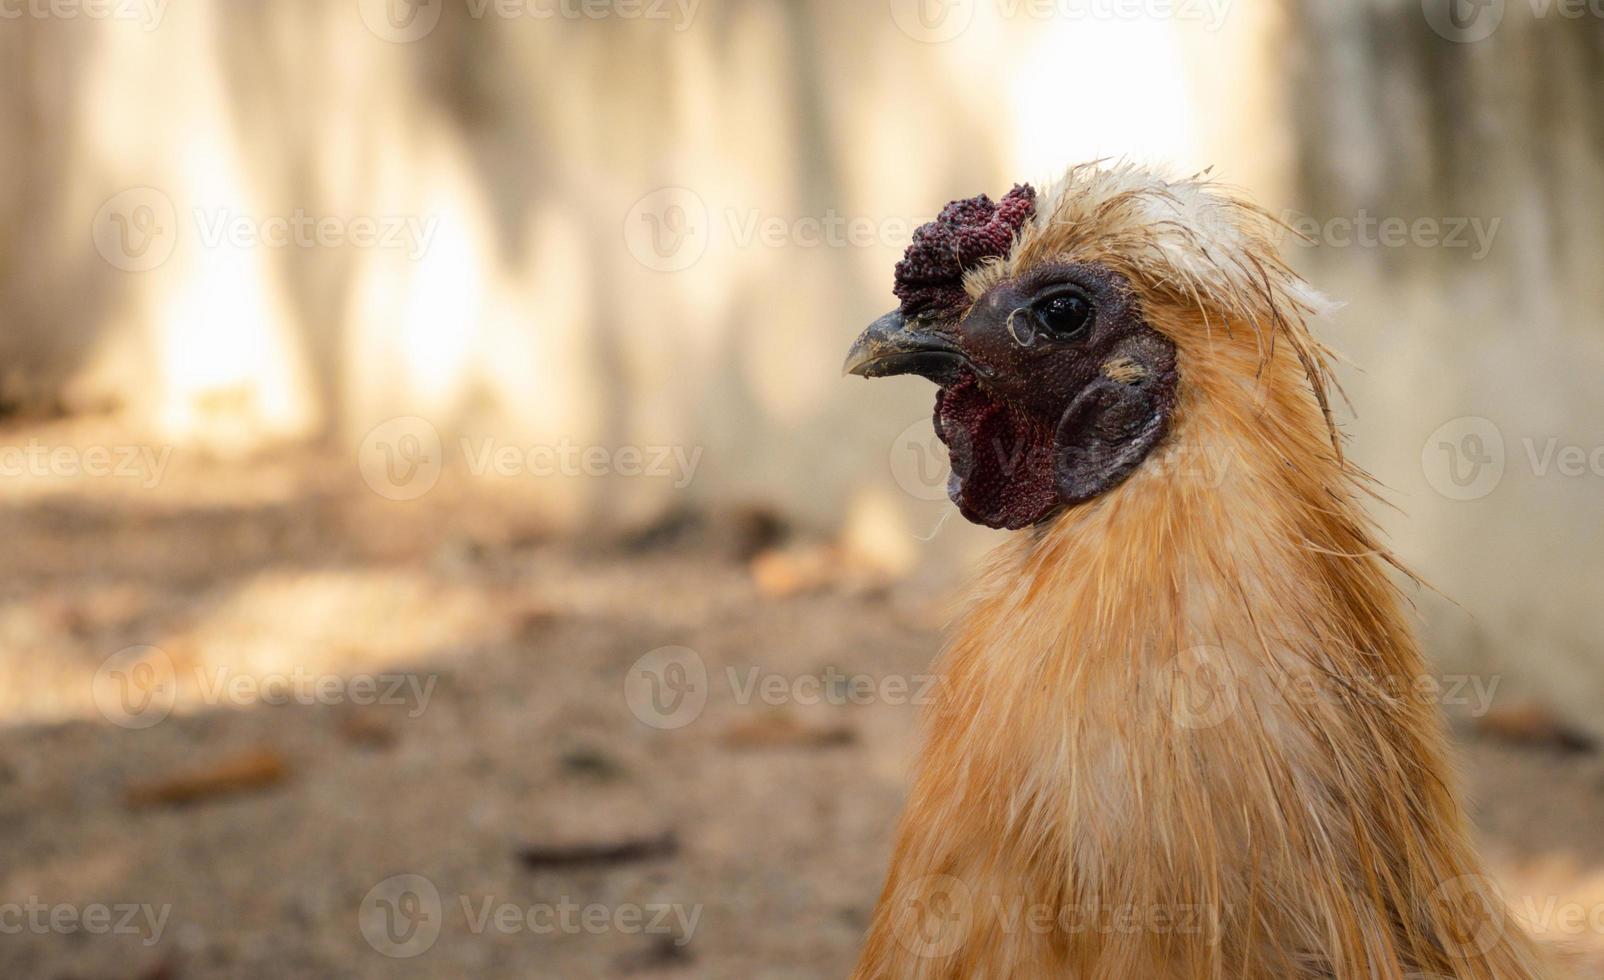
1066,315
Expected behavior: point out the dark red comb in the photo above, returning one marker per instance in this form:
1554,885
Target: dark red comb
930,277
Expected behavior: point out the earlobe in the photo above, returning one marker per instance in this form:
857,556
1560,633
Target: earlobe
1116,420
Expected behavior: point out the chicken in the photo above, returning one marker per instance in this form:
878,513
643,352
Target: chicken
1183,729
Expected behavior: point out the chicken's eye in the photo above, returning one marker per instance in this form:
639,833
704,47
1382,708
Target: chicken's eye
1067,315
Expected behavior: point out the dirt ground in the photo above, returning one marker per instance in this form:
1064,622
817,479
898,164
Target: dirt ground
483,781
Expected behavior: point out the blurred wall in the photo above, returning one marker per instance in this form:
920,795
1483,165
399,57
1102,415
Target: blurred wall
1474,362
659,226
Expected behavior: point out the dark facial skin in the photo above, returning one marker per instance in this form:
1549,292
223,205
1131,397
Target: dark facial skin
1052,389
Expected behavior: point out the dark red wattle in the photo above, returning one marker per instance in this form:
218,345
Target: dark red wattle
1001,455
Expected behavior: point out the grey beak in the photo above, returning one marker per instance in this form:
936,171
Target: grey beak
893,345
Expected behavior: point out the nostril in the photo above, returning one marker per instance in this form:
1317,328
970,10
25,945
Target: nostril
1024,334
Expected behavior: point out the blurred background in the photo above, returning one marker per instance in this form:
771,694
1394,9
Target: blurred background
441,542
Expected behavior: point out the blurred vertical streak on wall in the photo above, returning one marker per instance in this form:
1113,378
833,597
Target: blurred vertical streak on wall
202,342
1400,121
